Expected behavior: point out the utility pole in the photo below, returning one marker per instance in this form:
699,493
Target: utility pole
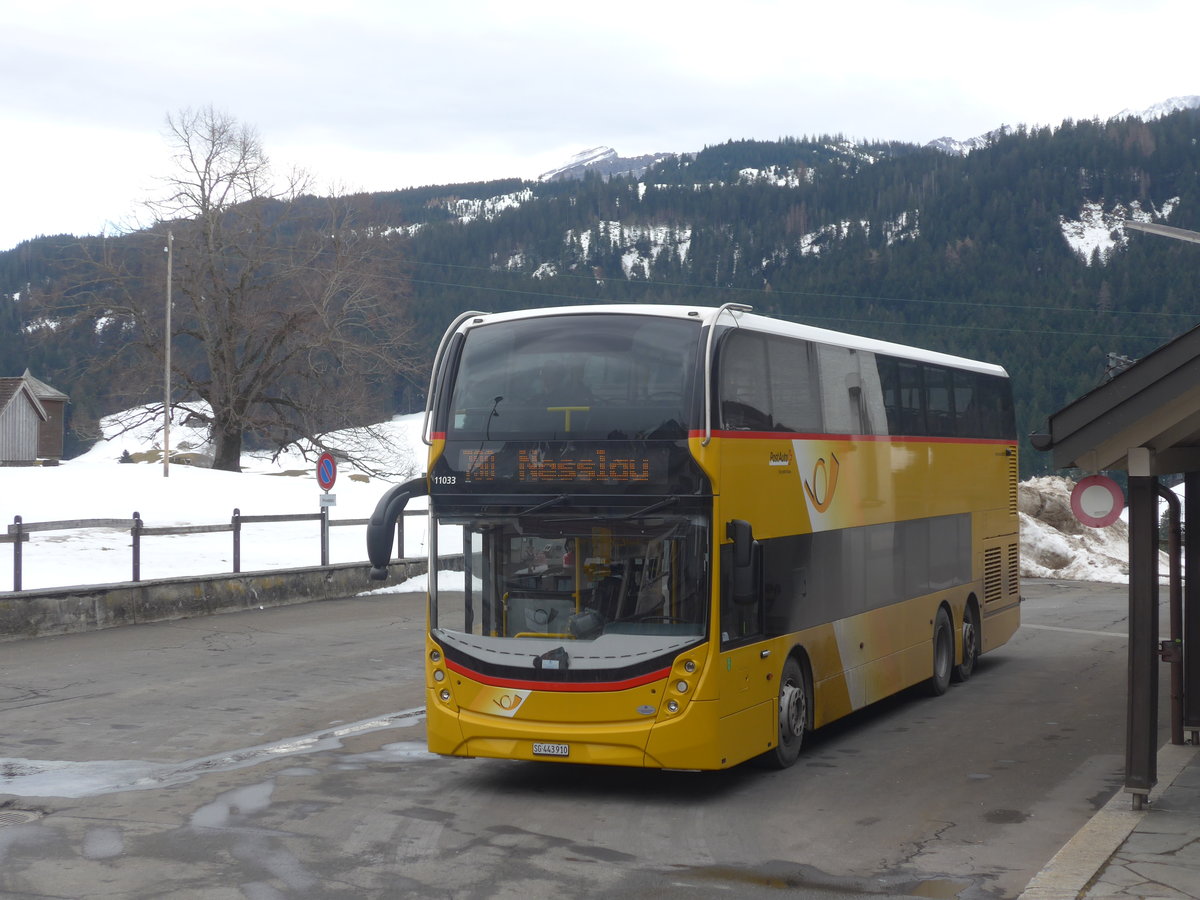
167,365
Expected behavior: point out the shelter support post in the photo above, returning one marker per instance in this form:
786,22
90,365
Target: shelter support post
1191,608
1141,730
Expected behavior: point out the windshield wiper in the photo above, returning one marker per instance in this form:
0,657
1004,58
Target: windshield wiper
553,501
653,507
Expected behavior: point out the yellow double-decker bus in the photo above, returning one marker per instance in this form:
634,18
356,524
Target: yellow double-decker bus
692,535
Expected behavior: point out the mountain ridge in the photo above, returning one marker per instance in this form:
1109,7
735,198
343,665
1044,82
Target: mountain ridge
1013,253
606,162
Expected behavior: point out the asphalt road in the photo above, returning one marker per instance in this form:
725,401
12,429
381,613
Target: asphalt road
280,753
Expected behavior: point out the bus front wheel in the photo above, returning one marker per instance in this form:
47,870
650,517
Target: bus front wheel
943,654
793,715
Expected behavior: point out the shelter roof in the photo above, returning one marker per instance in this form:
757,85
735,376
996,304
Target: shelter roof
1155,403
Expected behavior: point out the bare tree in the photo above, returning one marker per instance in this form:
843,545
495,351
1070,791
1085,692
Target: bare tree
288,321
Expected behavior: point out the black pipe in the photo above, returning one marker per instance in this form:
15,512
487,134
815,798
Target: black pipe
381,528
1173,650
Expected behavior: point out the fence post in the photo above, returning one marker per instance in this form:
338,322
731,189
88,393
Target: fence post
324,535
136,532
237,540
17,573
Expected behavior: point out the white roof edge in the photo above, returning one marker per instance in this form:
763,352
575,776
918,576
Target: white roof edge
755,322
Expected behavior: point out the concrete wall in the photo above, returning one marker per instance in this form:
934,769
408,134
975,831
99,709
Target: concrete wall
52,611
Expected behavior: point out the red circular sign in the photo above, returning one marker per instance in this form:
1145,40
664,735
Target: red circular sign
326,470
1097,501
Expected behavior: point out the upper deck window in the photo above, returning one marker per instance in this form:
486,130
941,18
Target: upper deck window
924,398
768,383
587,376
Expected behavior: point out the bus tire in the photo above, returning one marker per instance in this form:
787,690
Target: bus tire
943,654
793,716
971,640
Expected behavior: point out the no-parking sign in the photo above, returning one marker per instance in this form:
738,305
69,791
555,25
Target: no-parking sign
326,470
1097,501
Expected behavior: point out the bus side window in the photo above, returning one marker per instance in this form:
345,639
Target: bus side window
966,407
911,397
795,385
995,407
939,401
744,386
889,385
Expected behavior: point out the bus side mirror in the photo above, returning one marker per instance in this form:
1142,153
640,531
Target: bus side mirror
742,535
381,528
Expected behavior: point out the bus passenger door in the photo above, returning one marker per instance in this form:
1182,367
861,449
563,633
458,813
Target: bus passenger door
746,666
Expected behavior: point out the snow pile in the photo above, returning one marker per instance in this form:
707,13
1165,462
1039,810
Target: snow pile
1055,544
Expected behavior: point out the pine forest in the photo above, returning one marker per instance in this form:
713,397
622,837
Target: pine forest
1014,253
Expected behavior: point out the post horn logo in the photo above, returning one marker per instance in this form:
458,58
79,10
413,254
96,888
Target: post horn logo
824,479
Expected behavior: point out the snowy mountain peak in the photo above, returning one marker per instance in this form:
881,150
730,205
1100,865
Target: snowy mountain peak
604,161
955,147
581,160
1158,110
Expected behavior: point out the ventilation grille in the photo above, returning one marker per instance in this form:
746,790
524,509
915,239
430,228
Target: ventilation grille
1012,578
993,574
1013,504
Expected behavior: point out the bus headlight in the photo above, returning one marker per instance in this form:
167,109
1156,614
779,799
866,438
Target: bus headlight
681,686
445,695
439,675
435,655
672,706
689,666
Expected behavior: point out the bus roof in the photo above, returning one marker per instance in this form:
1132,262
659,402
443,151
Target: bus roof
765,324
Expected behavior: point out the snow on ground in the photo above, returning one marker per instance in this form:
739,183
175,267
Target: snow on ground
96,485
1098,229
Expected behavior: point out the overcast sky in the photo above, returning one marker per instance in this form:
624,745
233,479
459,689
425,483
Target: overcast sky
384,94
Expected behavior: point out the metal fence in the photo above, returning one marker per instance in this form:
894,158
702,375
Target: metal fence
20,531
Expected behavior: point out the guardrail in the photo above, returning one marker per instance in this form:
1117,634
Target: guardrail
20,531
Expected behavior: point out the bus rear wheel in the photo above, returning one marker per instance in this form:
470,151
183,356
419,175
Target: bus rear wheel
943,654
793,716
970,644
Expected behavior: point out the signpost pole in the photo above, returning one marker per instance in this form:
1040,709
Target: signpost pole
326,476
167,364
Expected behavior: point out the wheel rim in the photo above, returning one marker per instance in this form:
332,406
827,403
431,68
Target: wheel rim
791,711
970,638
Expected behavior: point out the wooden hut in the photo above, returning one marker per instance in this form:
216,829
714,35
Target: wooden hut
32,420
54,402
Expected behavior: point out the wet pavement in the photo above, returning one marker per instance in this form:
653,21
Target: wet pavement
1122,852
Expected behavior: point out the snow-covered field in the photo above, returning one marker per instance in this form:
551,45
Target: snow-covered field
96,485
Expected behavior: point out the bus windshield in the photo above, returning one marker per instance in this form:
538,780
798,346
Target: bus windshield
604,590
602,376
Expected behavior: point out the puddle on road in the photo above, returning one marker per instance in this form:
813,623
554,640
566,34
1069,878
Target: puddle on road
939,888
66,778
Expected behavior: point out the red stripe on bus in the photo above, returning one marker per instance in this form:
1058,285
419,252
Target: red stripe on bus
877,438
589,687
